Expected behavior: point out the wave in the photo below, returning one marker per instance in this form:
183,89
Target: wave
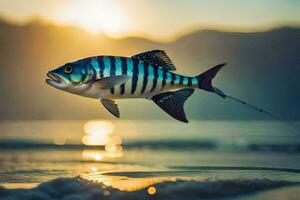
234,168
80,189
170,144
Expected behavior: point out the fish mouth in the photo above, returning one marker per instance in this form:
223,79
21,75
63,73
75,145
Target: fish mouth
55,80
53,77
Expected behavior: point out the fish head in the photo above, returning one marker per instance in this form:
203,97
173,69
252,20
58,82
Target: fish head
71,77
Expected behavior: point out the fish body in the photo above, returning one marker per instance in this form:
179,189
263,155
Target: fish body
148,75
145,80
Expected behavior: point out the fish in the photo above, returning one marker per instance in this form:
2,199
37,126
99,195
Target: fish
149,75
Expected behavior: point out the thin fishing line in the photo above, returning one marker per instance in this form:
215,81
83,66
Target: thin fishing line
222,94
253,107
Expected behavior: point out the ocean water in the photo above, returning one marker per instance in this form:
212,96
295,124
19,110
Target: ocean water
121,159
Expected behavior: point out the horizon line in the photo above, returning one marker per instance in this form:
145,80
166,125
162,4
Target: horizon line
37,20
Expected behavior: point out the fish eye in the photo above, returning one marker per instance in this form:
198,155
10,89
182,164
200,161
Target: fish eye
68,69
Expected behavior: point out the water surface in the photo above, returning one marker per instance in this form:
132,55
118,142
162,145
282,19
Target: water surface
146,159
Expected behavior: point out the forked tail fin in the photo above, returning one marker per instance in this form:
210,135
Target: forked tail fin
204,79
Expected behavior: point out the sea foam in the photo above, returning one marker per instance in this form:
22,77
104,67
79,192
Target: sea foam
79,189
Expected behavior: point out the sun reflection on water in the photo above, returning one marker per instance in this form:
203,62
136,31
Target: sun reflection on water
100,133
126,183
92,154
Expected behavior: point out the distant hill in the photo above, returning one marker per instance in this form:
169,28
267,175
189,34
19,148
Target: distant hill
263,68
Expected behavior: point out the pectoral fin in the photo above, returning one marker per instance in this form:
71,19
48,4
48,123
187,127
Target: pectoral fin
112,81
173,102
111,106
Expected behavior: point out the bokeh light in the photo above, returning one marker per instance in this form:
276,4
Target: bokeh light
151,190
99,133
59,140
98,127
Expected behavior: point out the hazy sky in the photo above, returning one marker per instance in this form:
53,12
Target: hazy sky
156,18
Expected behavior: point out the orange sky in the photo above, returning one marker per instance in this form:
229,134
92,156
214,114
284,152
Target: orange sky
155,18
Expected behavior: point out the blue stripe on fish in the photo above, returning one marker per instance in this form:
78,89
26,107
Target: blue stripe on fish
107,66
160,77
150,74
185,80
141,69
168,78
135,73
118,65
194,81
95,66
141,74
155,77
129,66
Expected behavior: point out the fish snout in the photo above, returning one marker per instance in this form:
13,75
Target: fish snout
55,80
53,76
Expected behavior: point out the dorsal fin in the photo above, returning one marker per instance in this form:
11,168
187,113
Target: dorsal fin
172,102
157,58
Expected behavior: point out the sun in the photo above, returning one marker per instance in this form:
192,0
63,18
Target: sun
95,16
